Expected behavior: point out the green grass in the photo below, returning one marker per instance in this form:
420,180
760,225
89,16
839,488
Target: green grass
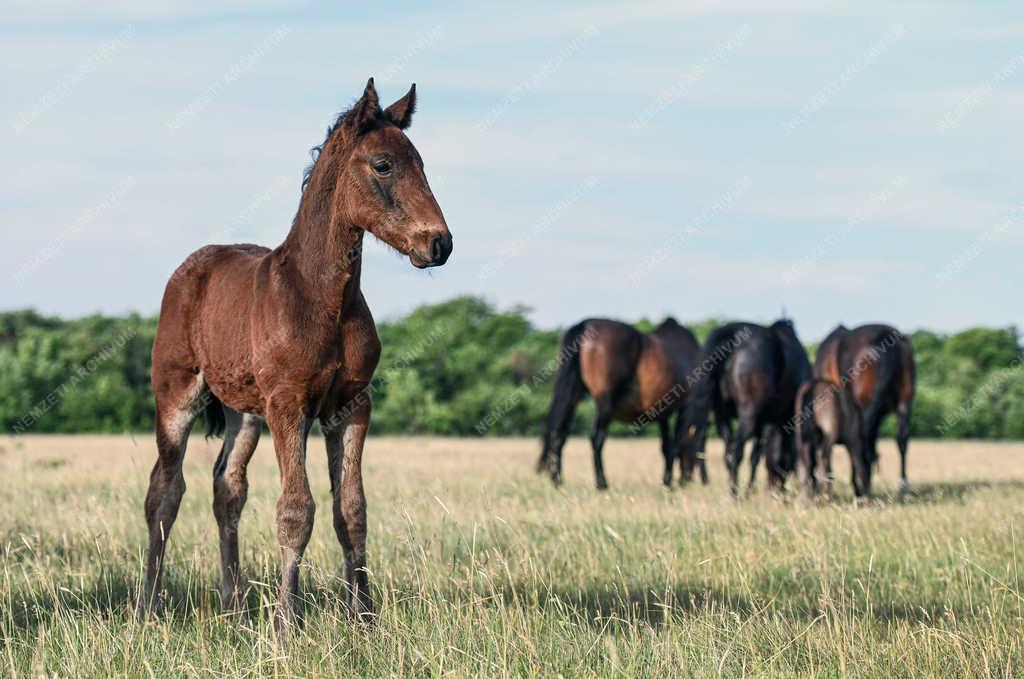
481,568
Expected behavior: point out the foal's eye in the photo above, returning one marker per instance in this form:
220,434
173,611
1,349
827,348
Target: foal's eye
382,167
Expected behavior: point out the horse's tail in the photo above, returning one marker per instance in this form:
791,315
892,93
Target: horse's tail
213,414
717,349
568,386
886,346
807,428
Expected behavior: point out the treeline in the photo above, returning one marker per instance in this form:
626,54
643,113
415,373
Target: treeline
459,368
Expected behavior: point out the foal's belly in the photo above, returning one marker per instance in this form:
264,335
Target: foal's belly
236,387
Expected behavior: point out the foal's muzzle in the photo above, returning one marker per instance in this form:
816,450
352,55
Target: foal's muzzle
438,251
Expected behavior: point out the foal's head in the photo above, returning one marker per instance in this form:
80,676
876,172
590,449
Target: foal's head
380,185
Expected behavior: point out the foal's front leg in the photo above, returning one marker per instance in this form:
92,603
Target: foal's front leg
295,508
345,432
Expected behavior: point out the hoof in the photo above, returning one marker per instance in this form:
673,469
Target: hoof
283,627
237,611
149,608
602,484
360,608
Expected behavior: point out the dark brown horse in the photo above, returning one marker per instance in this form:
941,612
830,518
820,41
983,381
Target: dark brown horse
633,377
875,363
826,414
750,373
249,333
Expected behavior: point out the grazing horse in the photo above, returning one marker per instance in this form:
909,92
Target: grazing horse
285,335
633,377
750,373
875,363
826,414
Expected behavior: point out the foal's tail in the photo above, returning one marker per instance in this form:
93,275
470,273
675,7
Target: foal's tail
888,346
213,413
568,387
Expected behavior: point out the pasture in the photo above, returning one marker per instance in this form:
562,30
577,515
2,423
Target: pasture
482,568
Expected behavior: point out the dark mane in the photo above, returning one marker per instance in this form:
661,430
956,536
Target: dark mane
382,118
314,152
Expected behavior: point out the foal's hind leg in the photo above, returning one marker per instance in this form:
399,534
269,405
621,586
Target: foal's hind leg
230,487
178,399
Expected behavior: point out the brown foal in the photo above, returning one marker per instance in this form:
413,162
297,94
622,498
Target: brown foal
285,335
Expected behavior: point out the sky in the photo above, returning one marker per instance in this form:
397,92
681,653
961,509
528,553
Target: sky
839,162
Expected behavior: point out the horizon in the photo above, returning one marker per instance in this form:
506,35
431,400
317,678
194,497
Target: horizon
517,308
716,161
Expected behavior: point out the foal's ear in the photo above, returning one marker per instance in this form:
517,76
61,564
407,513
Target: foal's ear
401,111
366,109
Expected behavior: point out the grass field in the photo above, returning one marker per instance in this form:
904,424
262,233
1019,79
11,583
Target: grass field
481,568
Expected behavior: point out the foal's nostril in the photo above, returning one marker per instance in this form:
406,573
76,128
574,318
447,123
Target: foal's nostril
440,249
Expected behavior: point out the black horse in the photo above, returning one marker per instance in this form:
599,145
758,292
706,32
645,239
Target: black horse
750,373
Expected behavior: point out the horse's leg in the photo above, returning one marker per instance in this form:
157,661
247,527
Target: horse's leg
860,474
734,451
295,507
542,462
602,418
823,470
871,424
553,452
685,448
701,459
667,451
344,436
755,457
230,486
724,426
805,465
903,440
779,461
852,437
177,394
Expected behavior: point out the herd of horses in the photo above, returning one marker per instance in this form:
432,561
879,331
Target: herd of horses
248,334
755,382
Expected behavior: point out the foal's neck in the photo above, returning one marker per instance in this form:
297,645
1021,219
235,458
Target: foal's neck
325,255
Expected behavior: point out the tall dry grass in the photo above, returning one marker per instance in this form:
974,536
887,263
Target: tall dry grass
481,568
